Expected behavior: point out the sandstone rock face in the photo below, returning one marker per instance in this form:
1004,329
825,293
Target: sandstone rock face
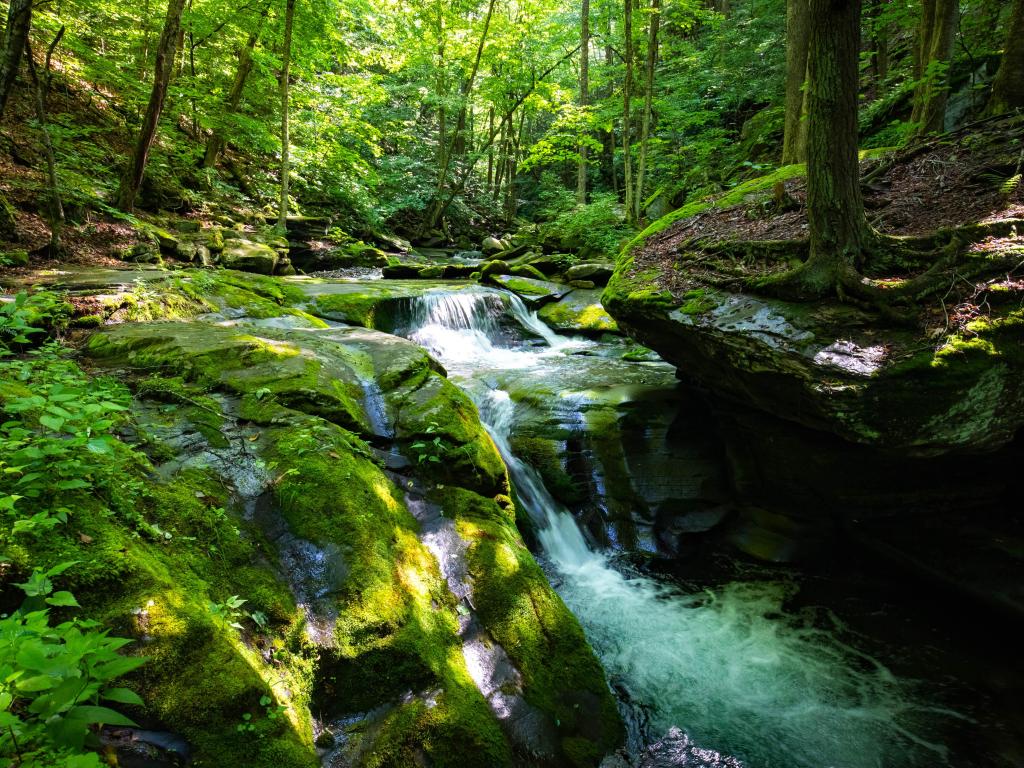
832,367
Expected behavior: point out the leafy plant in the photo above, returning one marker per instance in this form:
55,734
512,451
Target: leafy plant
57,441
16,323
53,679
231,612
430,450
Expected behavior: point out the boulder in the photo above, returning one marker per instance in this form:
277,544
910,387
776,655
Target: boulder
492,245
579,312
584,284
598,273
249,256
534,292
834,367
496,267
528,270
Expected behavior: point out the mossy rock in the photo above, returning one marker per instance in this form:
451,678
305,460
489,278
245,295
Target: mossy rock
579,312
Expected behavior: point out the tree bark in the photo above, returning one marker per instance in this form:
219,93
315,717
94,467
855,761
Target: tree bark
627,98
56,208
234,98
286,140
19,21
437,206
835,208
933,53
879,43
581,174
131,182
1008,87
795,131
645,130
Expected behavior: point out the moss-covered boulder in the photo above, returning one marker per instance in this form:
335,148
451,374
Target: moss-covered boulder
534,292
397,633
249,256
579,312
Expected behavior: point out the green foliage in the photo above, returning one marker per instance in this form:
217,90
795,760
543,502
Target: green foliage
431,449
54,678
57,443
595,229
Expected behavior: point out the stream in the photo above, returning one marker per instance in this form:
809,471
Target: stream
722,675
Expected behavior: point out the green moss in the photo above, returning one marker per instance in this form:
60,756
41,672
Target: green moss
560,674
397,629
697,302
429,406
734,196
351,308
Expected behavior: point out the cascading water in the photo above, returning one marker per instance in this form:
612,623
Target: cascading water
729,667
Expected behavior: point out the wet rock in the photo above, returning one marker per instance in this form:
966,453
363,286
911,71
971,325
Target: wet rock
494,267
137,748
598,273
402,271
534,292
492,245
836,368
527,270
579,312
676,750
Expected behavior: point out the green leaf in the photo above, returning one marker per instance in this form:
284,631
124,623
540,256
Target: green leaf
94,714
123,696
52,422
63,600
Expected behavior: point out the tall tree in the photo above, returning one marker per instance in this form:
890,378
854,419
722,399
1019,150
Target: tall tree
839,232
627,116
286,64
40,88
19,21
166,52
234,98
645,129
1008,87
581,175
794,134
933,52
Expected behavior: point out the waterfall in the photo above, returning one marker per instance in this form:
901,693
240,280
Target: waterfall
751,684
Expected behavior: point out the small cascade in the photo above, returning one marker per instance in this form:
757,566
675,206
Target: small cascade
732,677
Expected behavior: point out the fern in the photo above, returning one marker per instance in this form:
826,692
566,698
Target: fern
1009,187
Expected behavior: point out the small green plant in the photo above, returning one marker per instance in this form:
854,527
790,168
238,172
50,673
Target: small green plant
429,450
271,710
53,679
231,612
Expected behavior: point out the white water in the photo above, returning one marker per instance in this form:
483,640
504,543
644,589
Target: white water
729,667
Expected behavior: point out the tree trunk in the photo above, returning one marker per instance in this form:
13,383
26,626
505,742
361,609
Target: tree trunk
56,208
609,135
835,208
19,20
581,175
933,52
131,182
879,44
437,207
1008,87
645,130
286,139
216,143
795,133
627,98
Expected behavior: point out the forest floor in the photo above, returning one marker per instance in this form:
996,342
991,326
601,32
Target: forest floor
959,179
